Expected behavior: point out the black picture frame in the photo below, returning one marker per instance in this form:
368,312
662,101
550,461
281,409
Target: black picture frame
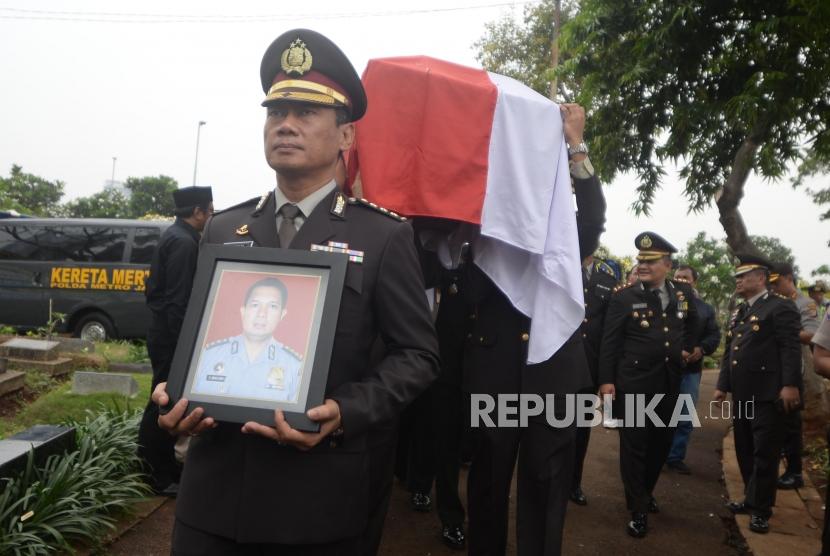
215,262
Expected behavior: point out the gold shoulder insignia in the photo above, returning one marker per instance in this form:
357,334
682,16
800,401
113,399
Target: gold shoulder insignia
338,205
681,280
292,352
217,343
376,208
623,287
781,296
262,202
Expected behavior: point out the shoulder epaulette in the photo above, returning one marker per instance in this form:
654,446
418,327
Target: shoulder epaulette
373,206
602,266
776,294
262,201
681,280
290,351
217,343
238,205
624,287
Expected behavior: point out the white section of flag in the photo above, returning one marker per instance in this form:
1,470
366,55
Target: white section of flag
529,245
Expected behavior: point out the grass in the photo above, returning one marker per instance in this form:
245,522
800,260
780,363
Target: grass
60,405
123,351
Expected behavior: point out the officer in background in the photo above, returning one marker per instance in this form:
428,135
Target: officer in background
816,293
253,364
598,282
706,340
646,343
168,291
495,362
783,282
761,364
260,489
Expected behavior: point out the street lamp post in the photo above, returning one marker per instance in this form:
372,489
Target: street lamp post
196,163
112,179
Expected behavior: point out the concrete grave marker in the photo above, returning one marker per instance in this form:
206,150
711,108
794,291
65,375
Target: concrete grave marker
90,382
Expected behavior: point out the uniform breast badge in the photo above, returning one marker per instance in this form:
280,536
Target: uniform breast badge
242,230
335,247
276,379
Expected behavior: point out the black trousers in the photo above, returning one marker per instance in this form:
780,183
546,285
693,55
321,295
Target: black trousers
758,440
793,441
583,437
156,446
643,451
545,466
435,448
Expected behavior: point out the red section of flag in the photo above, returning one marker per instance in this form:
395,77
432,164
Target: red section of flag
422,147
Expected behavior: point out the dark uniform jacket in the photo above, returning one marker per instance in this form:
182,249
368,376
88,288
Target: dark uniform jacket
598,289
706,334
249,488
171,275
496,355
642,344
762,352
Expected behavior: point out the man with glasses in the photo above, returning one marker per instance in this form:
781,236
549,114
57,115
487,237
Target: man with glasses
762,365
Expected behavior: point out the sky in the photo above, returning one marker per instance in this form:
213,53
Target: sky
86,81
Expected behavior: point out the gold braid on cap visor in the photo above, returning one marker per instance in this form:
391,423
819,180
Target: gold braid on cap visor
321,94
651,255
744,268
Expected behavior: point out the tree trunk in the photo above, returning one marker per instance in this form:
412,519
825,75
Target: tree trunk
732,192
554,49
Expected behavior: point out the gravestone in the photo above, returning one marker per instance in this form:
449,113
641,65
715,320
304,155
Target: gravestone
10,381
90,382
75,345
45,440
30,353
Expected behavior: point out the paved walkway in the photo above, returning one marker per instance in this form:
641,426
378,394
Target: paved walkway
693,519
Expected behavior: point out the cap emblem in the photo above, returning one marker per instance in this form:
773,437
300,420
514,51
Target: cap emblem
296,58
645,242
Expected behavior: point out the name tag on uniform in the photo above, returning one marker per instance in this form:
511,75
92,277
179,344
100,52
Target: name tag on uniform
639,306
249,243
603,287
216,378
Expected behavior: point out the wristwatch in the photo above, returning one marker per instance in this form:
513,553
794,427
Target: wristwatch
581,148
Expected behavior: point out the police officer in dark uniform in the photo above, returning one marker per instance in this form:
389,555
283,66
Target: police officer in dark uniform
168,290
495,362
274,489
647,338
761,364
598,282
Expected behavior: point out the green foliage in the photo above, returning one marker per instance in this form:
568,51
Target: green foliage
715,268
75,496
151,195
108,203
123,351
523,50
626,262
29,194
775,251
691,82
60,404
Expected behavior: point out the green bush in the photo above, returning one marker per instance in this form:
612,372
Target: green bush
76,496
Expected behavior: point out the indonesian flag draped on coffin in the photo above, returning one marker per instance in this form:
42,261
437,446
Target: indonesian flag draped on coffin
454,142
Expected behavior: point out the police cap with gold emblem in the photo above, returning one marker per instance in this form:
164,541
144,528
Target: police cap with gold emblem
818,287
747,263
304,66
780,269
652,247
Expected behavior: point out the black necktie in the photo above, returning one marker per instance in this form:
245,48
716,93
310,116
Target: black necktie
288,229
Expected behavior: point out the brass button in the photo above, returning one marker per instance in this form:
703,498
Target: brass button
584,335
667,358
525,336
665,329
739,334
734,362
664,315
735,348
667,344
586,290
585,319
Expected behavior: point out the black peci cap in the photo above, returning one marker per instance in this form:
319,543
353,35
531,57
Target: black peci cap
651,247
193,196
304,66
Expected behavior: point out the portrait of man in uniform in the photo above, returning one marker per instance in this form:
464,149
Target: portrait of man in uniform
247,360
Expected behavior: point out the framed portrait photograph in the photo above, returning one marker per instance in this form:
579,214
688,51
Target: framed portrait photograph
258,333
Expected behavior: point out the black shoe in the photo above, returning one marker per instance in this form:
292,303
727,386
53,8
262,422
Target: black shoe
578,497
638,526
758,524
170,491
453,536
679,467
790,481
653,508
421,502
737,507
